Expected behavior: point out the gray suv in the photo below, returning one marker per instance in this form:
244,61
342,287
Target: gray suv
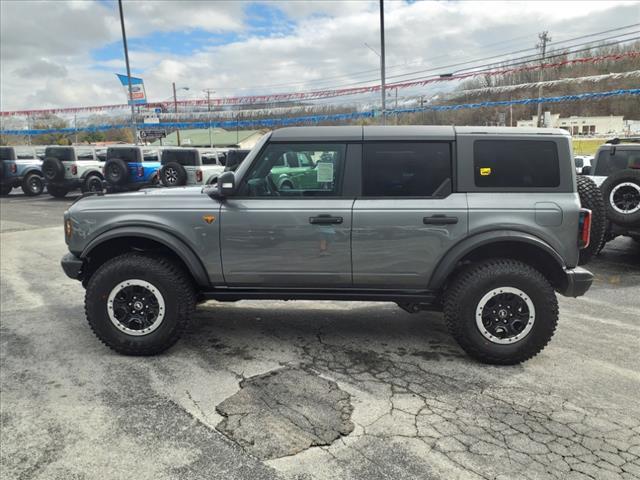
484,224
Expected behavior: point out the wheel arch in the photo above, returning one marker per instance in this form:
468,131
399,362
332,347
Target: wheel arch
502,244
95,172
125,239
30,170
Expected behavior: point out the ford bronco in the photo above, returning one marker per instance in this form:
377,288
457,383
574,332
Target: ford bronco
20,167
190,166
484,224
130,167
70,168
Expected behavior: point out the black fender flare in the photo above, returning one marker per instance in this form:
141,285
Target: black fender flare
173,243
30,170
448,263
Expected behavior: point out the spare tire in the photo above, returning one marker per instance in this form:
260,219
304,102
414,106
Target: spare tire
116,171
53,169
621,192
591,198
173,175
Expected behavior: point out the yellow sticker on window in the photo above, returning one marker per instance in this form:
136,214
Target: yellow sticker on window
485,171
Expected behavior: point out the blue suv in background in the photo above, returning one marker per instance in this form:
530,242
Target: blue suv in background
20,167
130,167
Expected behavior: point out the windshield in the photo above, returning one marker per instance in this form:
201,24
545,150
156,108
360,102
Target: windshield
64,154
620,160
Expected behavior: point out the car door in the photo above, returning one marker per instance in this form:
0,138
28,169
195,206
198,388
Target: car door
407,216
293,237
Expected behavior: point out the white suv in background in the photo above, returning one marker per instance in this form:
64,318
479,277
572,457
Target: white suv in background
190,166
67,168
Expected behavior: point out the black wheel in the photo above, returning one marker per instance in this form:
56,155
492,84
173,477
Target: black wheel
32,184
501,311
139,305
52,169
173,175
591,198
93,183
58,192
116,171
621,192
286,185
5,190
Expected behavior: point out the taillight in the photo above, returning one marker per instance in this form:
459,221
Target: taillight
74,170
199,175
141,171
14,168
584,228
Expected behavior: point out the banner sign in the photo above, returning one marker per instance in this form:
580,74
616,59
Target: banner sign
138,94
152,134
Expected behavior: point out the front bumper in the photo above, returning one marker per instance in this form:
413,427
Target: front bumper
72,266
577,282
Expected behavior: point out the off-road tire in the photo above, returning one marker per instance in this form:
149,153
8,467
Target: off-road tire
180,175
57,192
170,278
591,198
5,190
631,177
116,171
93,183
52,169
464,293
32,184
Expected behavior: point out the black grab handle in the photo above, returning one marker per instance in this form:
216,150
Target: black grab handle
440,220
325,220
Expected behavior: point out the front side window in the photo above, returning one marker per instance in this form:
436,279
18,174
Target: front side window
296,170
620,160
516,164
84,154
406,169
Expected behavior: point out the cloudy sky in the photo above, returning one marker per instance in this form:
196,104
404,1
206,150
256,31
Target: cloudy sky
64,53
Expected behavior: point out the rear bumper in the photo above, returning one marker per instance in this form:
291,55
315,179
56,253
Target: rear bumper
72,266
577,282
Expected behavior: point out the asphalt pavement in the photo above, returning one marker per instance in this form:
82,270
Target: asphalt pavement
306,390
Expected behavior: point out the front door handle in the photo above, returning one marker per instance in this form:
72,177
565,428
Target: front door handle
440,220
324,220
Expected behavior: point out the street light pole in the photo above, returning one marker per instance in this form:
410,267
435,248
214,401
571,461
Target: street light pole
209,92
382,87
175,105
134,129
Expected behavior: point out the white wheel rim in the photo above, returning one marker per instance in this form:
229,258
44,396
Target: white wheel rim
616,190
124,328
486,333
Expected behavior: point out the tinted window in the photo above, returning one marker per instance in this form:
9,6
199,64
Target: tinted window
186,158
516,164
620,160
64,154
6,153
406,169
277,172
129,155
150,155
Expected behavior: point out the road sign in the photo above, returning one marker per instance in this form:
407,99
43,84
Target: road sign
150,134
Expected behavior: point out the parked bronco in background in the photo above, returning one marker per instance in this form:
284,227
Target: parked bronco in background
484,224
616,170
20,167
190,166
71,167
130,167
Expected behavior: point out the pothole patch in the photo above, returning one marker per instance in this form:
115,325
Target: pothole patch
284,412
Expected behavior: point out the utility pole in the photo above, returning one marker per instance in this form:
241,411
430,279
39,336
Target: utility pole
134,129
396,107
209,91
75,125
175,105
382,87
544,38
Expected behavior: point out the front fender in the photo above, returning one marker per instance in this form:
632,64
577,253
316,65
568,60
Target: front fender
180,248
448,263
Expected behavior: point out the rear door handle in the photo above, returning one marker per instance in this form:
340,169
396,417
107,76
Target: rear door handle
440,220
324,220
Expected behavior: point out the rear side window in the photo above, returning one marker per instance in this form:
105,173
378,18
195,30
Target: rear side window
6,153
407,169
620,160
129,155
64,154
186,158
516,164
150,156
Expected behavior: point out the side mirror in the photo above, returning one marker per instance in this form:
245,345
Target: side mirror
586,170
226,185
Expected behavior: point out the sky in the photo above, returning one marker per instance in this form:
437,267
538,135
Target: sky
58,53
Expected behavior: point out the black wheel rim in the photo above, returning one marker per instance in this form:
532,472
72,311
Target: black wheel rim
505,315
135,307
625,198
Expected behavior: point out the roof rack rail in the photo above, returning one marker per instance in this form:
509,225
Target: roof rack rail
617,141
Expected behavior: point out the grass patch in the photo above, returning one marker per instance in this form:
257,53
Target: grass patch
586,146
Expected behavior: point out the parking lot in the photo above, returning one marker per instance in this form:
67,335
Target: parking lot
354,390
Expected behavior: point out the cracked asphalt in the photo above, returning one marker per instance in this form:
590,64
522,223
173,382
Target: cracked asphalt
307,390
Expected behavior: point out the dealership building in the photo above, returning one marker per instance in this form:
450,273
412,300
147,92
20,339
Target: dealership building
613,124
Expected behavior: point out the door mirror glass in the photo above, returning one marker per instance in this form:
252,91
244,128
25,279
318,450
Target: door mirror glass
226,184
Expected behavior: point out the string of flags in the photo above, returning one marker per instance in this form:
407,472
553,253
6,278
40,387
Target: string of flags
335,117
